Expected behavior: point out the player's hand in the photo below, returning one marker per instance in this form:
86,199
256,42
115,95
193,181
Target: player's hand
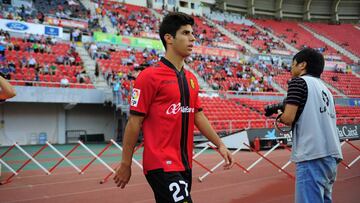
228,157
122,175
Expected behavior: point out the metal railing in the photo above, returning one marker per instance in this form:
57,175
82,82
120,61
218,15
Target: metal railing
50,84
231,126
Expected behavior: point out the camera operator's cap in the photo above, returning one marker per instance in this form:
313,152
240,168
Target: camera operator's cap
314,61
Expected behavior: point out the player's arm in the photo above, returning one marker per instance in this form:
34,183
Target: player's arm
131,135
132,130
202,123
7,90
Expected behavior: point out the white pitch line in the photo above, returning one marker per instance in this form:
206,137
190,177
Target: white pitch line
75,193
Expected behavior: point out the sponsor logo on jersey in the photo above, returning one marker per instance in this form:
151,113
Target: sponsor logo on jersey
135,97
192,83
176,108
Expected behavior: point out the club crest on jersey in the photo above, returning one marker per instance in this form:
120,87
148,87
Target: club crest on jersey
192,83
135,97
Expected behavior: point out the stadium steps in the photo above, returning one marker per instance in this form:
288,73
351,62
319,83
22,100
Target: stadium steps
331,43
89,65
273,84
232,36
156,14
334,89
105,21
356,74
88,5
278,87
287,45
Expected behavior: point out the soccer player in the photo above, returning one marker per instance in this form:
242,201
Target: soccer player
165,104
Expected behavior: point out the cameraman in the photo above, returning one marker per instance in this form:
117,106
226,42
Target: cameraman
310,110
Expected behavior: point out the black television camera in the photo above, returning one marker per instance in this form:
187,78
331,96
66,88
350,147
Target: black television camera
273,108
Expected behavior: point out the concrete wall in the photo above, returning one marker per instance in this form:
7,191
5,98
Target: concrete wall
95,119
58,95
22,122
268,5
134,2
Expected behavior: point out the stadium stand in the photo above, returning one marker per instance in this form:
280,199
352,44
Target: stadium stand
122,65
63,9
208,35
228,17
256,38
347,83
347,115
228,115
295,35
224,74
74,84
343,34
39,60
132,20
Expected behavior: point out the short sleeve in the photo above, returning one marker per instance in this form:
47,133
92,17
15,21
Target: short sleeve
198,107
198,104
143,93
297,91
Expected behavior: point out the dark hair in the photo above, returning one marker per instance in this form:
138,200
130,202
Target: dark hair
172,22
314,61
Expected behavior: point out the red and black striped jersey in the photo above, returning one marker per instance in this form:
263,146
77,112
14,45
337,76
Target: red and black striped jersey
168,100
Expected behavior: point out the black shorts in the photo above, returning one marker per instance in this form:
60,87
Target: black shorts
170,186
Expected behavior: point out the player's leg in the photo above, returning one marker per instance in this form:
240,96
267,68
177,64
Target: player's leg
187,176
169,186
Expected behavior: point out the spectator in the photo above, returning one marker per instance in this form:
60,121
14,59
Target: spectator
60,59
53,40
5,71
42,48
16,46
35,47
11,65
67,59
2,58
45,69
93,50
23,62
10,46
31,38
73,46
64,82
117,92
32,62
47,49
75,35
53,69
2,49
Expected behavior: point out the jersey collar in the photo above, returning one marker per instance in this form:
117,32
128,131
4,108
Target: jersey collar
170,65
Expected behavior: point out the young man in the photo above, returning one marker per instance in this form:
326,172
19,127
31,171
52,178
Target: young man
310,110
166,106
